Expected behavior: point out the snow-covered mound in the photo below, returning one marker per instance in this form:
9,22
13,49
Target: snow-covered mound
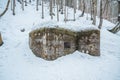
17,62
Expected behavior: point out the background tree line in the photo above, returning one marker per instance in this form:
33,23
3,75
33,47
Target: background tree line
104,9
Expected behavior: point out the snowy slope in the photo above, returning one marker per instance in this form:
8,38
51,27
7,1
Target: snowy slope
17,62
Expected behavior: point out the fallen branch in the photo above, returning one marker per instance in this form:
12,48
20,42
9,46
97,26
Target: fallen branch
116,28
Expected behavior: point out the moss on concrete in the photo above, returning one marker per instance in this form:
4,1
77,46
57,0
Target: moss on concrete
87,33
56,31
56,37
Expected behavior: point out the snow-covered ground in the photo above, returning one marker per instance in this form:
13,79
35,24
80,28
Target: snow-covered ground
17,62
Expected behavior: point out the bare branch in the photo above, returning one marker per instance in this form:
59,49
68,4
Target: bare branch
5,9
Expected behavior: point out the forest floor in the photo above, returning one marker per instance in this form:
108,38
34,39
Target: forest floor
17,62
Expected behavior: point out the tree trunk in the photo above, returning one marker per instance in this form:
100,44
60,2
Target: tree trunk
25,2
51,9
22,5
65,16
53,2
91,9
87,12
94,11
30,1
11,4
105,9
83,9
117,27
119,7
106,14
57,10
5,9
40,2
13,7
42,10
101,17
78,4
37,2
1,41
75,6
61,7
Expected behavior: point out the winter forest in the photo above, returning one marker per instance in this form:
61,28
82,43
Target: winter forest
59,39
104,9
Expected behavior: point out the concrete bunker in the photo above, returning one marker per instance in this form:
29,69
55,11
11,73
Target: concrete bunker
89,42
51,43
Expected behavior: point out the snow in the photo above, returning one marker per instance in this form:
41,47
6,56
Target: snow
17,62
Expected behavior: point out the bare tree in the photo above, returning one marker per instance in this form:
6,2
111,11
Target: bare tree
14,7
57,10
37,3
25,2
75,7
53,2
94,11
91,1
42,10
83,9
119,9
104,8
61,6
101,17
40,2
30,1
107,5
5,9
11,4
117,27
51,9
22,5
65,16
80,5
